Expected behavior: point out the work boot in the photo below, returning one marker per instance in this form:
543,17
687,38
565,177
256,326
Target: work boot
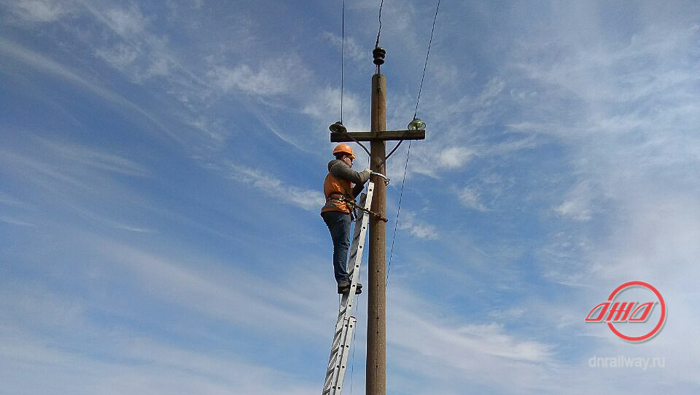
344,286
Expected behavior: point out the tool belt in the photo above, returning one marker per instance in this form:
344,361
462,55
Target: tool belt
341,198
353,206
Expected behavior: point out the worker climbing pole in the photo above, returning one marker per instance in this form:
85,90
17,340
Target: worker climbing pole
373,207
377,136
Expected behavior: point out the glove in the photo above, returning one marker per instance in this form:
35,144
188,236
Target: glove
366,173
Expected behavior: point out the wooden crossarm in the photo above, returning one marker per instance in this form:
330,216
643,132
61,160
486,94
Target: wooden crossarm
381,136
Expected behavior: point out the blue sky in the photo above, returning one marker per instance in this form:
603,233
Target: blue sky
161,166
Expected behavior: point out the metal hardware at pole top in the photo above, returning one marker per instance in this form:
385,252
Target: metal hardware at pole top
378,54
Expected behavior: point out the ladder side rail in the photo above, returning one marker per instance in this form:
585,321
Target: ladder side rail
345,324
340,377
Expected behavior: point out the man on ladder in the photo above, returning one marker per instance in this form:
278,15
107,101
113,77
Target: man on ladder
337,213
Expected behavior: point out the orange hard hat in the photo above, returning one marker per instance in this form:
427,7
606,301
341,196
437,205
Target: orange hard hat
343,149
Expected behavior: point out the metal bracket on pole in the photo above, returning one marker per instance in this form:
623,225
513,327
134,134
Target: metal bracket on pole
380,175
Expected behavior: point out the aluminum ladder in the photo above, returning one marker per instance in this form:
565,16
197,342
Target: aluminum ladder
345,326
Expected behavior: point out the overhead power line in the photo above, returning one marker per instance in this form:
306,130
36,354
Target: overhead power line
379,32
408,152
427,55
342,61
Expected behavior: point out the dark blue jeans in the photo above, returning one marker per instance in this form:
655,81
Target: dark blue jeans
339,225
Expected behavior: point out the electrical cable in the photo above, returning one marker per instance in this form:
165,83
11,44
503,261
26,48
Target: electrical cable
342,61
425,66
379,32
393,150
408,152
398,211
342,70
361,145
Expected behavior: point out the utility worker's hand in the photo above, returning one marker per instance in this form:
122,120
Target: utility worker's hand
366,173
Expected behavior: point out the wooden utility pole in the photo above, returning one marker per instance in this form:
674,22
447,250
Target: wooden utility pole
376,315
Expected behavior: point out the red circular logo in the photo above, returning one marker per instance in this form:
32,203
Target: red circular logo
662,317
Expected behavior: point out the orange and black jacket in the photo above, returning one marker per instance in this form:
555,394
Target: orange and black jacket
338,186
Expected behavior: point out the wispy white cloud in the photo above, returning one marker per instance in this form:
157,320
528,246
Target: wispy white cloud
470,197
46,65
511,314
139,54
78,165
311,200
620,145
120,56
432,159
104,219
131,364
128,40
271,124
442,344
458,143
491,92
272,78
45,174
566,258
454,157
417,227
610,104
76,179
234,295
353,51
9,200
324,108
327,103
577,204
446,74
40,10
125,21
478,109
47,329
95,158
13,221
